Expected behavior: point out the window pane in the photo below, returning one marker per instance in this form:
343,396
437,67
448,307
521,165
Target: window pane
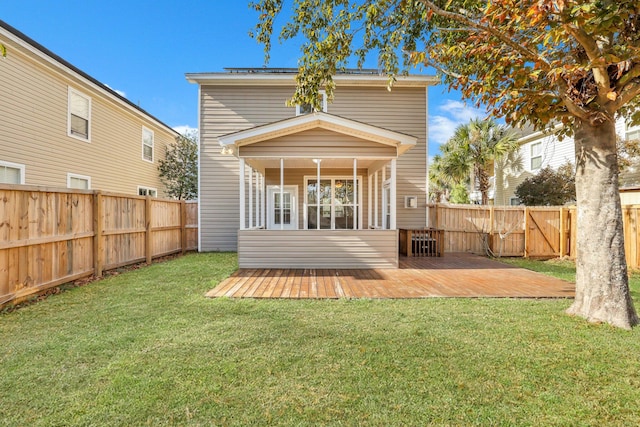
344,191
79,126
536,162
79,106
344,218
312,191
536,149
147,153
312,212
325,191
78,183
9,175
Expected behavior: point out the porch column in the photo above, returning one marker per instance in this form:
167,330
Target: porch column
355,194
375,191
318,194
369,213
384,208
281,194
250,197
257,211
264,201
393,195
242,190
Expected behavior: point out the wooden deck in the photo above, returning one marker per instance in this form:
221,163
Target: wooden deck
454,275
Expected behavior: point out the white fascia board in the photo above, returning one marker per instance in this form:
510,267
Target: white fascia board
282,79
319,120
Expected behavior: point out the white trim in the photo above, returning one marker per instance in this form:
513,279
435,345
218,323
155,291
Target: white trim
149,189
153,143
288,79
394,202
402,142
250,197
281,193
243,222
333,178
72,91
18,166
199,171
77,176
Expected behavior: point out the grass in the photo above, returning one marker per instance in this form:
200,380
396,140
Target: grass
146,348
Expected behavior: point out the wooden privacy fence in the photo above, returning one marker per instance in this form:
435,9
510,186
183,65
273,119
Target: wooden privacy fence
548,231
51,236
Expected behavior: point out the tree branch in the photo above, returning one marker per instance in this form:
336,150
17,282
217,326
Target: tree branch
600,74
458,17
630,91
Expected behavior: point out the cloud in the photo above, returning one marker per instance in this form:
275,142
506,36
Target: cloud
185,130
119,92
449,115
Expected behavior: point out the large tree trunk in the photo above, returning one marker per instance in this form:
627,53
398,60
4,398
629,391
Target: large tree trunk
602,285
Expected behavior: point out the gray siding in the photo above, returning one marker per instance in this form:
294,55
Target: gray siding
227,109
318,249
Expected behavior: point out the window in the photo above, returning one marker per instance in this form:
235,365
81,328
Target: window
147,144
515,201
306,108
632,134
147,191
11,173
79,122
536,155
336,204
80,182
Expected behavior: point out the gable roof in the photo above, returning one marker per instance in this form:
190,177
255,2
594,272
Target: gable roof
42,52
401,141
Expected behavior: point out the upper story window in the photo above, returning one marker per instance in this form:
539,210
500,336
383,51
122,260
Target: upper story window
79,122
80,182
147,191
306,108
147,144
632,133
11,173
536,155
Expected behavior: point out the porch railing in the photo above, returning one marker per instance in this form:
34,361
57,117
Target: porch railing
422,243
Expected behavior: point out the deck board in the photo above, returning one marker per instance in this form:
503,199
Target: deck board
454,275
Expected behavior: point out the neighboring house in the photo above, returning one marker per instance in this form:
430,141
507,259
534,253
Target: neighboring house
62,128
542,149
261,162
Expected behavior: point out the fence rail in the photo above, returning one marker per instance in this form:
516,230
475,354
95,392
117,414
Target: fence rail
52,236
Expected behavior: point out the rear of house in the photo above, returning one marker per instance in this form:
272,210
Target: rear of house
62,128
289,187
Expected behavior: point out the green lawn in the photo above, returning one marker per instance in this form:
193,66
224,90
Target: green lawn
146,348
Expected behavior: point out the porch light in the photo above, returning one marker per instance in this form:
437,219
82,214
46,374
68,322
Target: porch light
316,161
227,150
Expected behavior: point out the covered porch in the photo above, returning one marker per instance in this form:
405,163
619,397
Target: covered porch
317,191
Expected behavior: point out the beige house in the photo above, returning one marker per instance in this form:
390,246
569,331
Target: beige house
62,128
289,187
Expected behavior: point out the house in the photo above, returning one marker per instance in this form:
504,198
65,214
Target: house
290,187
541,149
63,128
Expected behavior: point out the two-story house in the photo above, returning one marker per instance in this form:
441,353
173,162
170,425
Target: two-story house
62,128
541,149
290,187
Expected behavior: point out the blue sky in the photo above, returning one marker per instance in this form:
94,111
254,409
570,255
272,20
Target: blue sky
143,48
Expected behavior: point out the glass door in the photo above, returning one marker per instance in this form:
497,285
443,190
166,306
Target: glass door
287,217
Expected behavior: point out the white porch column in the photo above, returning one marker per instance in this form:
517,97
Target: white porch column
375,191
257,210
393,195
384,208
250,197
242,190
281,194
264,201
355,194
369,213
318,194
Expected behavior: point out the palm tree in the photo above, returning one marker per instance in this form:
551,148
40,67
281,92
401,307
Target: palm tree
473,149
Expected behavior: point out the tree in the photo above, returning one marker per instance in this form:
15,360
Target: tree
549,187
459,194
473,149
573,61
179,169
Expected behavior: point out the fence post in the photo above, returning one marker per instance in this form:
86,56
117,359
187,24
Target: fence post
183,226
563,235
526,232
148,238
98,240
491,231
